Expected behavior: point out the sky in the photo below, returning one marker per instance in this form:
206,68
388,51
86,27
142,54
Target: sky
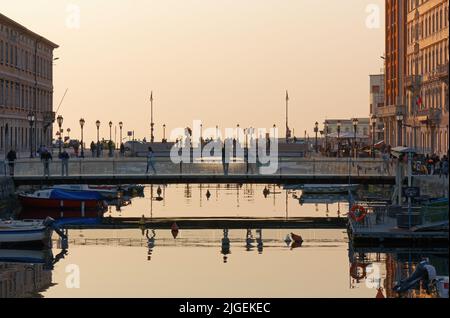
224,62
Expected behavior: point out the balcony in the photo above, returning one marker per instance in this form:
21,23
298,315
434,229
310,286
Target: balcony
49,117
391,111
430,116
440,73
413,82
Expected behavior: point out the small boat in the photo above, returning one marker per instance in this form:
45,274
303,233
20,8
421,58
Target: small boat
24,232
328,188
320,198
15,256
62,200
105,191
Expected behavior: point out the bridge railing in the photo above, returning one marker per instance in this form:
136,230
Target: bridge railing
163,166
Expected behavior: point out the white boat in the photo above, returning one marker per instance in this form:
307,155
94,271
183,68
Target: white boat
26,231
107,192
23,256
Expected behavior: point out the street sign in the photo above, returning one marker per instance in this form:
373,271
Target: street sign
411,192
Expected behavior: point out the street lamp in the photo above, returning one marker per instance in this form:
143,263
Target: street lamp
316,130
399,118
31,120
374,125
164,133
339,138
326,136
110,126
120,126
82,122
355,128
97,123
68,133
60,120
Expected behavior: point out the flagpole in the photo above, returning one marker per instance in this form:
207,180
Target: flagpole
287,115
152,137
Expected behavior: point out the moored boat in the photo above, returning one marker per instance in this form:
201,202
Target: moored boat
62,200
26,231
105,191
326,188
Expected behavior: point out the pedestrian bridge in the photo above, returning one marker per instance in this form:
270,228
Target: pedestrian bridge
133,171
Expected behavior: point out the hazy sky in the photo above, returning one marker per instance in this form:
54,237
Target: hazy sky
219,61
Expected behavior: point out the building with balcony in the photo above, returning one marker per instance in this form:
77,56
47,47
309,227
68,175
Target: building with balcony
377,99
427,56
395,70
26,87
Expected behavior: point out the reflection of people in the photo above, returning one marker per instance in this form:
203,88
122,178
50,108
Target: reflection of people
150,244
249,240
225,246
259,241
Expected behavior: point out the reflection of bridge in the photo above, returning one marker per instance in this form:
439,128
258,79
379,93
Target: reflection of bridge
124,171
219,223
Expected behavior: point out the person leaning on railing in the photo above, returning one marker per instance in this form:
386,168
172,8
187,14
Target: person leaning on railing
46,156
11,156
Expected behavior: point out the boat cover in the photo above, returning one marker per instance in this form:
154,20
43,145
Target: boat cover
59,194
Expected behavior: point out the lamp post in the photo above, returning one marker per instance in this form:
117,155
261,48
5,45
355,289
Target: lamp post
326,137
399,118
97,123
120,126
110,126
339,138
355,128
68,133
237,132
316,130
82,121
31,120
164,133
374,125
60,120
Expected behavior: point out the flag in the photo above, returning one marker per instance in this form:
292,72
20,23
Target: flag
419,101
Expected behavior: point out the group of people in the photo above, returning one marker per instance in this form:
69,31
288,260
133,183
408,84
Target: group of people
97,148
434,165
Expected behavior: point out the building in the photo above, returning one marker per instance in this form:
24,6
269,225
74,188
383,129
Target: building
363,127
395,70
26,87
377,100
427,55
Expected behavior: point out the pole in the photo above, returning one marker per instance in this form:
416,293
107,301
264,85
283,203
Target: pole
82,143
31,139
287,116
98,142
152,137
60,140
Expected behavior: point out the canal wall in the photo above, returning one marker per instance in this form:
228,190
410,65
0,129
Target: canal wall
432,186
8,202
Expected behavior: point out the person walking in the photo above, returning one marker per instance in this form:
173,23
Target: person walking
150,163
93,149
122,149
64,156
11,156
46,156
386,162
225,158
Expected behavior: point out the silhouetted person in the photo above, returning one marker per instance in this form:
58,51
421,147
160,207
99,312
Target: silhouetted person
225,246
225,160
208,195
11,156
122,149
150,156
64,156
46,156
93,149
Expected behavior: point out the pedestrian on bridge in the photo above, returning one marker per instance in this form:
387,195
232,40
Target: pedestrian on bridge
64,156
93,149
150,163
46,156
11,156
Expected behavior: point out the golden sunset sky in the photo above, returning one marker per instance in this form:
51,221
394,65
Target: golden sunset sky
220,61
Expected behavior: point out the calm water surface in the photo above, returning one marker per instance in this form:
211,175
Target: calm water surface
256,263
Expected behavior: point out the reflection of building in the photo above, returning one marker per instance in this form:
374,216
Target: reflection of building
376,104
26,86
20,280
427,75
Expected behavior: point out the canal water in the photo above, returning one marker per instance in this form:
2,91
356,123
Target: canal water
200,263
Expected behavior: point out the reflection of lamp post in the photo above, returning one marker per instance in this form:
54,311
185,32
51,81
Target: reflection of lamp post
110,126
82,121
120,126
59,120
97,123
374,124
31,120
339,138
355,128
316,130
